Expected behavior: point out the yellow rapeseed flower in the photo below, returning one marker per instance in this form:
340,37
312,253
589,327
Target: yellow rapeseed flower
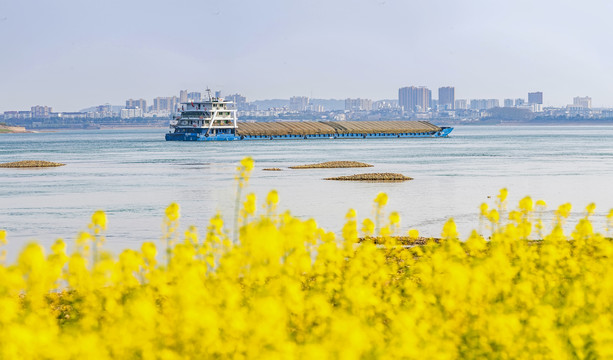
244,170
475,242
385,231
368,227
564,210
526,204
247,163
83,238
59,247
381,199
483,209
149,251
272,198
450,230
493,216
394,218
99,219
250,204
217,222
502,196
290,289
172,212
590,209
515,216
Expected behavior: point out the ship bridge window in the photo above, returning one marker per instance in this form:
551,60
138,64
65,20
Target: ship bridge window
194,113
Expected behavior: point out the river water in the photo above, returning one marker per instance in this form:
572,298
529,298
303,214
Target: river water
133,174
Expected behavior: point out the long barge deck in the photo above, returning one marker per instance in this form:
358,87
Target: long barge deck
295,130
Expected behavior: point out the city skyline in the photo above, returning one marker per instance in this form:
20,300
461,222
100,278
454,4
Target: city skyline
185,96
410,98
414,102
191,96
70,55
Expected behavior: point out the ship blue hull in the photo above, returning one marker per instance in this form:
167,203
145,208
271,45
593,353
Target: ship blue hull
231,137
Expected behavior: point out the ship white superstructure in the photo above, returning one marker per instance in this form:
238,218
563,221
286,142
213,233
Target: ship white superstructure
212,116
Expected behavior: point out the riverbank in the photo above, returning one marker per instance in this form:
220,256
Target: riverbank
21,129
5,129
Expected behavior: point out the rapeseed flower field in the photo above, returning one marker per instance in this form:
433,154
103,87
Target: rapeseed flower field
283,288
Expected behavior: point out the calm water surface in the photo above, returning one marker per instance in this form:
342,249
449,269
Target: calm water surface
134,174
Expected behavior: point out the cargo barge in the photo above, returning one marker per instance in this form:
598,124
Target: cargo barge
215,119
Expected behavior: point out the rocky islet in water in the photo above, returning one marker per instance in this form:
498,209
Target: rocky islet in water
372,177
30,164
332,165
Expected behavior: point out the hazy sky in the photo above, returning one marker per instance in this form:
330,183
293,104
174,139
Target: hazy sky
72,54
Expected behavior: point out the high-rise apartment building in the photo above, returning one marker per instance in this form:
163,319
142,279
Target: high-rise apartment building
583,101
414,98
519,102
239,101
102,111
298,103
535,98
358,104
194,96
508,102
477,104
315,108
446,97
131,113
165,104
183,96
483,104
140,103
18,114
461,104
41,112
385,104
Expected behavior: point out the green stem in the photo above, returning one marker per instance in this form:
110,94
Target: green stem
236,210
